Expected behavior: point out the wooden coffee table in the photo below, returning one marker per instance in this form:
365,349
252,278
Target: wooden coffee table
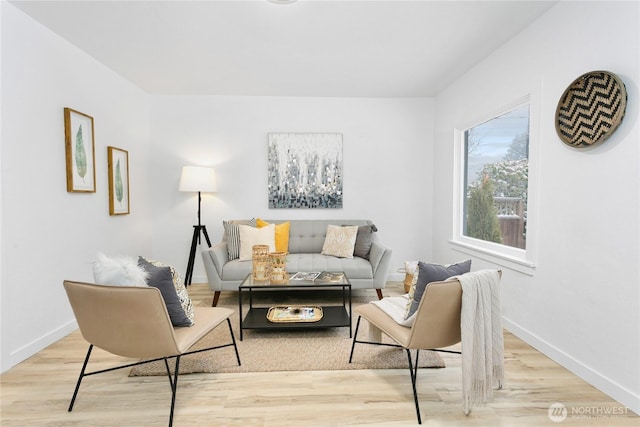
333,315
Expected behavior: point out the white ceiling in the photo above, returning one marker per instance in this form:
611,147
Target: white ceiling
308,48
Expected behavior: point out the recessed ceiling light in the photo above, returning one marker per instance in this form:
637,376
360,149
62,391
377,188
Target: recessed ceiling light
282,1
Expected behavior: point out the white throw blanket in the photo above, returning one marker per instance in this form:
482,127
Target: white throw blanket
396,308
481,336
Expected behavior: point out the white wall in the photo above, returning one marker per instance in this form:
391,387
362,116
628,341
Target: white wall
581,306
49,235
387,146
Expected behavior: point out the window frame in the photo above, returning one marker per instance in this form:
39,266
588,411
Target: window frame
522,260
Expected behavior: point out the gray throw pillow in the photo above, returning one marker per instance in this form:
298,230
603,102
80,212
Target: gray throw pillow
364,239
428,273
162,278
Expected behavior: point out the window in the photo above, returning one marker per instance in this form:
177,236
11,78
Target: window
494,185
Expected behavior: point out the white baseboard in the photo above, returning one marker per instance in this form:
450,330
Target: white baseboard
199,279
395,277
44,341
621,394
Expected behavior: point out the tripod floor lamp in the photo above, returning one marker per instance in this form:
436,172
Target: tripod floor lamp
201,180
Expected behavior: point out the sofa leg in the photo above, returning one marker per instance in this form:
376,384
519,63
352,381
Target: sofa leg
216,295
379,291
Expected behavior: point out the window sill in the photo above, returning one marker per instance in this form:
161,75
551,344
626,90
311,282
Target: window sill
510,262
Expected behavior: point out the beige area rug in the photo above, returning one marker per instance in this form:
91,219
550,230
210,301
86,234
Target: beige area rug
290,350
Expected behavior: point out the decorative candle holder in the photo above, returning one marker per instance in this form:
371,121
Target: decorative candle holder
260,260
278,268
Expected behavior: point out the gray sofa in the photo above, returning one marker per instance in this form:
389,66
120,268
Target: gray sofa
306,238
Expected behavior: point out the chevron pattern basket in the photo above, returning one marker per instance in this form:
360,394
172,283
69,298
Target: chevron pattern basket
591,109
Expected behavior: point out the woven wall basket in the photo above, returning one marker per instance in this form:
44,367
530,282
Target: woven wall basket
591,109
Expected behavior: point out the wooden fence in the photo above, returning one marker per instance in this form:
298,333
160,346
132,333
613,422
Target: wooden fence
512,221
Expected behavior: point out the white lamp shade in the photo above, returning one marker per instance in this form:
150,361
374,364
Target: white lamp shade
197,178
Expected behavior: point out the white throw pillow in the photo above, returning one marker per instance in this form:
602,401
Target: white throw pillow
250,236
118,271
340,241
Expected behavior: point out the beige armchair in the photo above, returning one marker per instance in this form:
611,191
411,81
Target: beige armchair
436,325
133,322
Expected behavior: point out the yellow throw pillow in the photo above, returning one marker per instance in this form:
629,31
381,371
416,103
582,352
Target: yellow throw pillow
282,234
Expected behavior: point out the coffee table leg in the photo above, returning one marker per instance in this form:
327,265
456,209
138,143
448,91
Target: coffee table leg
240,310
348,289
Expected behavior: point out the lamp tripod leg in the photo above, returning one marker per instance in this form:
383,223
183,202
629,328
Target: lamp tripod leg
206,235
192,254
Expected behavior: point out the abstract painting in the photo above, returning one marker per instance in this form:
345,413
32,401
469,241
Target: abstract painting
305,170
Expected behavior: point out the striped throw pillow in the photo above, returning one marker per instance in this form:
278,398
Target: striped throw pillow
232,235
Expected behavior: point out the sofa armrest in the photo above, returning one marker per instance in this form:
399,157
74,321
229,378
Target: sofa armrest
214,260
380,258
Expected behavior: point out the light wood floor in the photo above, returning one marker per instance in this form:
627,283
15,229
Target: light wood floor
37,391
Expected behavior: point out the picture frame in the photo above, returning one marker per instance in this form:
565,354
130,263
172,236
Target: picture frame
118,163
79,152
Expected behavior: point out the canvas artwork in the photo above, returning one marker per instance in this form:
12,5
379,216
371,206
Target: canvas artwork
305,170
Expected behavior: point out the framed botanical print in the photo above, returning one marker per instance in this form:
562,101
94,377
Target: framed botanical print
80,152
118,160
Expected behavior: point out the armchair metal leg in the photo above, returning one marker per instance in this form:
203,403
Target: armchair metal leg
84,367
174,387
413,364
233,339
166,365
355,335
414,376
